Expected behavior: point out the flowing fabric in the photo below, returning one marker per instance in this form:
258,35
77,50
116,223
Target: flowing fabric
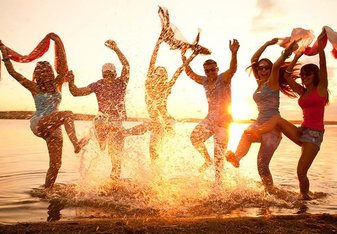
306,37
41,49
303,36
330,36
174,37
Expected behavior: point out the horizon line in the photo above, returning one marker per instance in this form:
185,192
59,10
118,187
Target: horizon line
88,117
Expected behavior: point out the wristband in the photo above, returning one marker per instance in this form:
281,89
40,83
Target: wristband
5,59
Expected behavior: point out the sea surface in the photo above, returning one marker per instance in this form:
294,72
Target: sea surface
171,187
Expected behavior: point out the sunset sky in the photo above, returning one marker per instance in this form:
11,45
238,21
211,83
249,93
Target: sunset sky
135,25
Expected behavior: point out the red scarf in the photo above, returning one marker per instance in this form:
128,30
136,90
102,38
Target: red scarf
41,49
331,36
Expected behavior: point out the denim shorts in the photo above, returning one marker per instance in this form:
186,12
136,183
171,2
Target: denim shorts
309,135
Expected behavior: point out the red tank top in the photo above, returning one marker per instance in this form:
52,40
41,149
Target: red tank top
313,107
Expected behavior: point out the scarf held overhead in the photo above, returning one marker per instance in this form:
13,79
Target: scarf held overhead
41,49
306,37
174,37
330,36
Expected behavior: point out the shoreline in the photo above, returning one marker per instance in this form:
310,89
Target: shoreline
303,223
89,117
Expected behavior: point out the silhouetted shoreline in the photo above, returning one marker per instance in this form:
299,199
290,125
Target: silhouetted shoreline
89,117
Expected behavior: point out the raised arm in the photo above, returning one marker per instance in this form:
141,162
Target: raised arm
125,74
189,72
297,88
154,55
186,63
256,56
61,59
28,84
323,73
234,47
74,90
273,81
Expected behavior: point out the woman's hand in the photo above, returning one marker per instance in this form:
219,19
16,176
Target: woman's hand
272,41
321,35
111,44
70,76
3,49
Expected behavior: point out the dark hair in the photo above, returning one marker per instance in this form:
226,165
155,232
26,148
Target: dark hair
310,67
283,84
254,65
284,87
41,65
209,61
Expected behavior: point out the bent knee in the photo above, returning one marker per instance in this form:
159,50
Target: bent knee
68,114
195,139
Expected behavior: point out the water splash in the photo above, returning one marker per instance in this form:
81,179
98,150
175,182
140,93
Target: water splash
171,186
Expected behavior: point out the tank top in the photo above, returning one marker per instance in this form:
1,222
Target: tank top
313,107
268,103
46,103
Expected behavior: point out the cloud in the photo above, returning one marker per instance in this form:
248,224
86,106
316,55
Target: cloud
269,17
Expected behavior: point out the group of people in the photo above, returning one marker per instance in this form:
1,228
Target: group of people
313,96
110,92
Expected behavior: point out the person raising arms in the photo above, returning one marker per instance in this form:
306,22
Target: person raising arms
110,93
216,123
157,90
270,81
313,97
47,120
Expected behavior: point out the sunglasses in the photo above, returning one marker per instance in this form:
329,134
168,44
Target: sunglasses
260,68
210,70
306,73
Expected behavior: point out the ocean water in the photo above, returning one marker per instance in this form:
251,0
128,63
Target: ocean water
172,187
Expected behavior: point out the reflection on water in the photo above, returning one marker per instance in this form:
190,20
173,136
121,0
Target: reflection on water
54,210
170,188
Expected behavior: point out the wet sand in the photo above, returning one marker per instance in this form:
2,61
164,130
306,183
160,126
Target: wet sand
305,223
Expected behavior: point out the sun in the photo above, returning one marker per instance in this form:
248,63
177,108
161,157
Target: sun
243,108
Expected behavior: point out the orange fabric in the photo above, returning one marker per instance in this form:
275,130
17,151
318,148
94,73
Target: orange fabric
40,50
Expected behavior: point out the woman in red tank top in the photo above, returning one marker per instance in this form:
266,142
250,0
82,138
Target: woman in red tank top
313,97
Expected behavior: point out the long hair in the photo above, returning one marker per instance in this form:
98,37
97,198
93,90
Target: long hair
253,67
310,67
284,87
41,68
283,84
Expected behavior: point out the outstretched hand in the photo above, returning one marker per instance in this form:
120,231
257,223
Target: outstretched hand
273,41
234,46
293,46
111,44
321,35
70,76
53,36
